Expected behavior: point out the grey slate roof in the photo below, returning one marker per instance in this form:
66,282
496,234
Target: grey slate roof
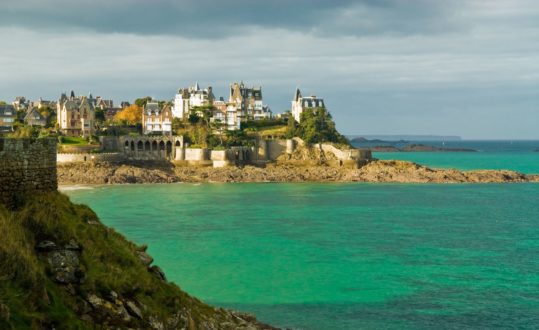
8,108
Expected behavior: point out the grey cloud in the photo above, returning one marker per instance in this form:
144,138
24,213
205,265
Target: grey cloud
214,19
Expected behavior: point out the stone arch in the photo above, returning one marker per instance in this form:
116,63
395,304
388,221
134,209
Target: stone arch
154,145
178,144
132,146
169,148
147,146
127,144
161,145
140,145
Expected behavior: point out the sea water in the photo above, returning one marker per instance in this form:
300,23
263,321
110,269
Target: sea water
342,256
521,156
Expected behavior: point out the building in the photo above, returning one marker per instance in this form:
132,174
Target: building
227,114
156,120
43,103
103,104
248,102
8,117
20,103
34,118
76,115
188,98
300,103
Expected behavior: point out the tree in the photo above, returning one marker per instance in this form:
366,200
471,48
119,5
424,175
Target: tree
49,114
99,115
130,115
291,129
317,126
141,103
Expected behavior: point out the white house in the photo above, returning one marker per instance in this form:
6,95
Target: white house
188,98
300,103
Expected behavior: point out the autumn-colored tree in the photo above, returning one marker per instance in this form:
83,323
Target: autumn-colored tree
130,115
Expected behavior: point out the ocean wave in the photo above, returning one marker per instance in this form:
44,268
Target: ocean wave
76,187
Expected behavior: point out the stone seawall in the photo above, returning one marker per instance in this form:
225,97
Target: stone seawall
26,166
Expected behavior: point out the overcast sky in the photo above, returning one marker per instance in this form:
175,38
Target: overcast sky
460,67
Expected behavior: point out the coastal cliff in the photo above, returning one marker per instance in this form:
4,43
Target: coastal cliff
375,171
60,268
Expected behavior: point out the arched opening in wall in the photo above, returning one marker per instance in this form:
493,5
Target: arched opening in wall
154,145
132,146
140,146
126,144
147,146
178,144
161,145
169,148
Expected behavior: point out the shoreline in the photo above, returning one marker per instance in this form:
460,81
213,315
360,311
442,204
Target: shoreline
379,171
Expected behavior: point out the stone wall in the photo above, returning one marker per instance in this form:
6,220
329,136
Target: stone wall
94,157
27,166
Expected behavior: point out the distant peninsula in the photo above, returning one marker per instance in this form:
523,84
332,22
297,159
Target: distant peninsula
418,148
407,137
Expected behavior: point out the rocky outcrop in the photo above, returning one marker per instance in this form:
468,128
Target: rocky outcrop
408,172
376,171
63,261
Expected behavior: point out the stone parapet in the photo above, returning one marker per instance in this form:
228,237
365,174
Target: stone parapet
27,166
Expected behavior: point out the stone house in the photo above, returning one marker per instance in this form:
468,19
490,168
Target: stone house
248,101
8,117
76,115
300,103
157,120
34,118
188,98
226,113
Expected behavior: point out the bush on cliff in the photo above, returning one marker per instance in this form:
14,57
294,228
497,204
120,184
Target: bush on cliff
111,284
316,126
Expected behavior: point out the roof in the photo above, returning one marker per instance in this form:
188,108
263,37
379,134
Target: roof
7,111
32,114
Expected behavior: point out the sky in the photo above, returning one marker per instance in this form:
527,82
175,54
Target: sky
460,67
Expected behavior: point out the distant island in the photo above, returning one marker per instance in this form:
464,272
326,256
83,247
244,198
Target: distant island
408,137
418,148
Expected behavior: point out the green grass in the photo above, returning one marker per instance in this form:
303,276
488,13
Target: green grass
108,259
71,140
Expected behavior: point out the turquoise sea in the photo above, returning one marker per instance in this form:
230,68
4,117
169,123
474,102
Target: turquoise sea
343,256
522,156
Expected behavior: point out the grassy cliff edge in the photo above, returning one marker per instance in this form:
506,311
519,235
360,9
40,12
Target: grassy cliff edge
61,268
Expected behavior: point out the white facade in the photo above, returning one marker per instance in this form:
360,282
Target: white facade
188,98
301,103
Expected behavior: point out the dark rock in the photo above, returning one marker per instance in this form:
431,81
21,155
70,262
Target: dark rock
45,246
95,301
145,258
157,272
112,296
64,266
72,245
133,309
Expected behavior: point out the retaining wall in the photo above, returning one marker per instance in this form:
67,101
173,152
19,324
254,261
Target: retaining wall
27,166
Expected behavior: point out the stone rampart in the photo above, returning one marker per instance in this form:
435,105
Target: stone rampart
95,157
27,166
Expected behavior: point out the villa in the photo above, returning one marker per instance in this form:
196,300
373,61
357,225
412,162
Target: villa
248,102
156,119
188,98
34,118
300,103
76,115
8,117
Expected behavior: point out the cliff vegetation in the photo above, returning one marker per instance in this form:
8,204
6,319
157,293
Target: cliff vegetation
60,268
